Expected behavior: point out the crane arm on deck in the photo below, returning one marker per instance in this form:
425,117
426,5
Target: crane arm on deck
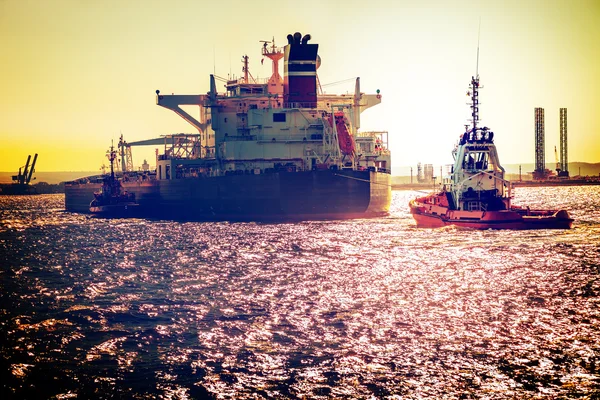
174,101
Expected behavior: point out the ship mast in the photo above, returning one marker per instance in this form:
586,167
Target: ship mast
246,69
275,54
475,88
475,102
112,155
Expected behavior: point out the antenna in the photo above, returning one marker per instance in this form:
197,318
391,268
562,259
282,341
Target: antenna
478,37
475,89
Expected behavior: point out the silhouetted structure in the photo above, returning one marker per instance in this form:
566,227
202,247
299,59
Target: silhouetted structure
540,171
420,177
564,162
21,181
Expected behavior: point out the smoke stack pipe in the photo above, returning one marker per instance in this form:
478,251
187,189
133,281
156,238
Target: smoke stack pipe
300,72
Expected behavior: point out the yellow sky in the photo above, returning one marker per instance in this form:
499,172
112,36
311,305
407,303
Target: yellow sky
75,74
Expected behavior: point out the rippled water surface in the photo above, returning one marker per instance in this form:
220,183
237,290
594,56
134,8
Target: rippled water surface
374,308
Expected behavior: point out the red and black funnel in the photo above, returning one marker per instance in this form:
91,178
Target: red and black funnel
300,72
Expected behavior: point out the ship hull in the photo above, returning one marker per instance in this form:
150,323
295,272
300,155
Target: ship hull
516,219
323,194
115,210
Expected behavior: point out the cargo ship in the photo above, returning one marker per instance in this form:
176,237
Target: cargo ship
478,196
279,148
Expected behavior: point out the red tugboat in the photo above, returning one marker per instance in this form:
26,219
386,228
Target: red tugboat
479,197
111,199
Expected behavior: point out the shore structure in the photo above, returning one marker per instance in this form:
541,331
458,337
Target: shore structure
21,182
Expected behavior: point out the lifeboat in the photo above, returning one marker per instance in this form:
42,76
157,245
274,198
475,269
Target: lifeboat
345,139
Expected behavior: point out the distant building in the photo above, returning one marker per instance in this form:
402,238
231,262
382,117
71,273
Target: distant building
428,172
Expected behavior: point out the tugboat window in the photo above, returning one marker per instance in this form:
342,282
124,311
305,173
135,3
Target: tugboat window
473,206
477,160
278,117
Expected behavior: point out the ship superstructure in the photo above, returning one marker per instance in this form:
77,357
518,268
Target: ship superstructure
255,127
478,182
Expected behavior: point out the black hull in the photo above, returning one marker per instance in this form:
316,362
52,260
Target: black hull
279,196
115,210
15,189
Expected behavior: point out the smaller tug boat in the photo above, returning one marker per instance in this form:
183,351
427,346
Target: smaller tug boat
111,199
479,197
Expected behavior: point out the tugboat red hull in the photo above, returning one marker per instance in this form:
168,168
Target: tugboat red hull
515,218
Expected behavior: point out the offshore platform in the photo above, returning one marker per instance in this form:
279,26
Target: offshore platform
562,163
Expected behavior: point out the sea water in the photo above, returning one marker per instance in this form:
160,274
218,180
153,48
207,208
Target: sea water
366,308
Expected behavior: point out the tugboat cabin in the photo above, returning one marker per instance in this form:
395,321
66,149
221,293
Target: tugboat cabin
478,177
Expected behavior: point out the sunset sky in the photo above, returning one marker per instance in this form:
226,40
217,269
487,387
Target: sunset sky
76,74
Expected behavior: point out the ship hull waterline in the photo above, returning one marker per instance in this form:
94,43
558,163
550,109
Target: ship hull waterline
115,210
308,195
506,219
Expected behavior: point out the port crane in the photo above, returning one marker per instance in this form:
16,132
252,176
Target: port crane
25,173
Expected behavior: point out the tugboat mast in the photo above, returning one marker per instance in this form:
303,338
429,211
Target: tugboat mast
112,155
475,88
475,102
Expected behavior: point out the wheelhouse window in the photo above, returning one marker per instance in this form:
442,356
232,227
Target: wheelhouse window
278,117
478,160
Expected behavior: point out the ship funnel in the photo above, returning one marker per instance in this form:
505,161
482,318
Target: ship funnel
300,72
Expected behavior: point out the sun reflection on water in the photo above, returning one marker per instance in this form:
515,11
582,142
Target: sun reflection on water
352,309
